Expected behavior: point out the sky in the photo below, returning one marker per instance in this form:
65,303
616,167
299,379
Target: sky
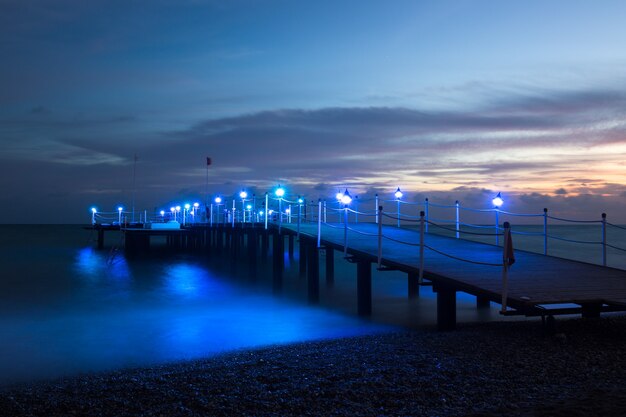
450,100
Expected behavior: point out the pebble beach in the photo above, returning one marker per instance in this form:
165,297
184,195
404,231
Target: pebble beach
487,369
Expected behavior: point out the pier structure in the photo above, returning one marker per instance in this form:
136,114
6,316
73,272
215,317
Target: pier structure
523,283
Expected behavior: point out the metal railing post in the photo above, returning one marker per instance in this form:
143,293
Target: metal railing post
456,203
380,237
325,218
289,215
422,231
233,217
545,231
345,230
377,213
604,239
211,218
505,264
267,209
280,214
398,212
299,215
426,215
497,222
319,222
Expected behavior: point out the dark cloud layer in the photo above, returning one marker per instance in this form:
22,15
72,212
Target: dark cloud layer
512,143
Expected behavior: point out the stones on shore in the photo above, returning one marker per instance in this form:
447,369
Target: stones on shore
486,369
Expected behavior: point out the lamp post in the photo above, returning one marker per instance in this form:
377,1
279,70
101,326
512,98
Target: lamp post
398,194
497,202
177,213
300,201
195,210
346,199
93,215
339,196
280,192
243,195
173,213
119,215
187,207
218,203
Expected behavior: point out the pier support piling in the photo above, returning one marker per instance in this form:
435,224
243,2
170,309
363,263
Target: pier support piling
414,286
591,310
482,302
446,308
252,254
303,256
313,274
364,287
278,261
100,238
330,266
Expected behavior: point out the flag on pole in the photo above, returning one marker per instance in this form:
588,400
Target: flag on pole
208,161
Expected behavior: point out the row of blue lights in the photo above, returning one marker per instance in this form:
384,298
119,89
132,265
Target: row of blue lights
344,198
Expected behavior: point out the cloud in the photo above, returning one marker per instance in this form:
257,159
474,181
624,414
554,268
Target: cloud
543,149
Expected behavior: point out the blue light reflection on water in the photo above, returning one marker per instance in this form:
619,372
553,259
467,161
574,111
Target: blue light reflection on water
114,313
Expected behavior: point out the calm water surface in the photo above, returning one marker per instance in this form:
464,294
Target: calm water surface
66,308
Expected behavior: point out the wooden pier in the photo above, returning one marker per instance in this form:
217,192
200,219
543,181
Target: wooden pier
538,285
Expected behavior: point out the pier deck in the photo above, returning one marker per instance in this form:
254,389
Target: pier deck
537,284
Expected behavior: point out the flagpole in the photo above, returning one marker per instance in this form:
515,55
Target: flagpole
134,186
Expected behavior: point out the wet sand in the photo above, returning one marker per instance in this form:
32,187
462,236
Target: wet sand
492,369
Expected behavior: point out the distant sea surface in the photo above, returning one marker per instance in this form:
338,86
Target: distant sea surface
67,308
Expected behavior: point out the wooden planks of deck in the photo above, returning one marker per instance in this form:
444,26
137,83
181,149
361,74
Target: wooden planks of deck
534,282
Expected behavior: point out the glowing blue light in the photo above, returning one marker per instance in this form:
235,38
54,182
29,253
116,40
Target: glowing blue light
300,201
187,206
249,206
177,208
261,213
497,201
162,213
280,191
346,198
271,212
218,200
398,194
339,196
93,210
243,194
120,208
287,211
172,209
196,205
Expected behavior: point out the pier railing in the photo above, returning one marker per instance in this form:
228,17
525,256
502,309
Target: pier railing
448,219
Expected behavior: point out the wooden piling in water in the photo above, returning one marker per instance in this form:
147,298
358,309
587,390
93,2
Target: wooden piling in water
278,258
303,255
330,266
364,287
313,274
446,307
290,246
413,284
482,302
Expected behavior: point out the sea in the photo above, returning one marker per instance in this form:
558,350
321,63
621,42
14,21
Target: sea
67,308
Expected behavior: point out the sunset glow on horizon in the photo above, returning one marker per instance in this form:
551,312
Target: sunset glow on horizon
453,99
